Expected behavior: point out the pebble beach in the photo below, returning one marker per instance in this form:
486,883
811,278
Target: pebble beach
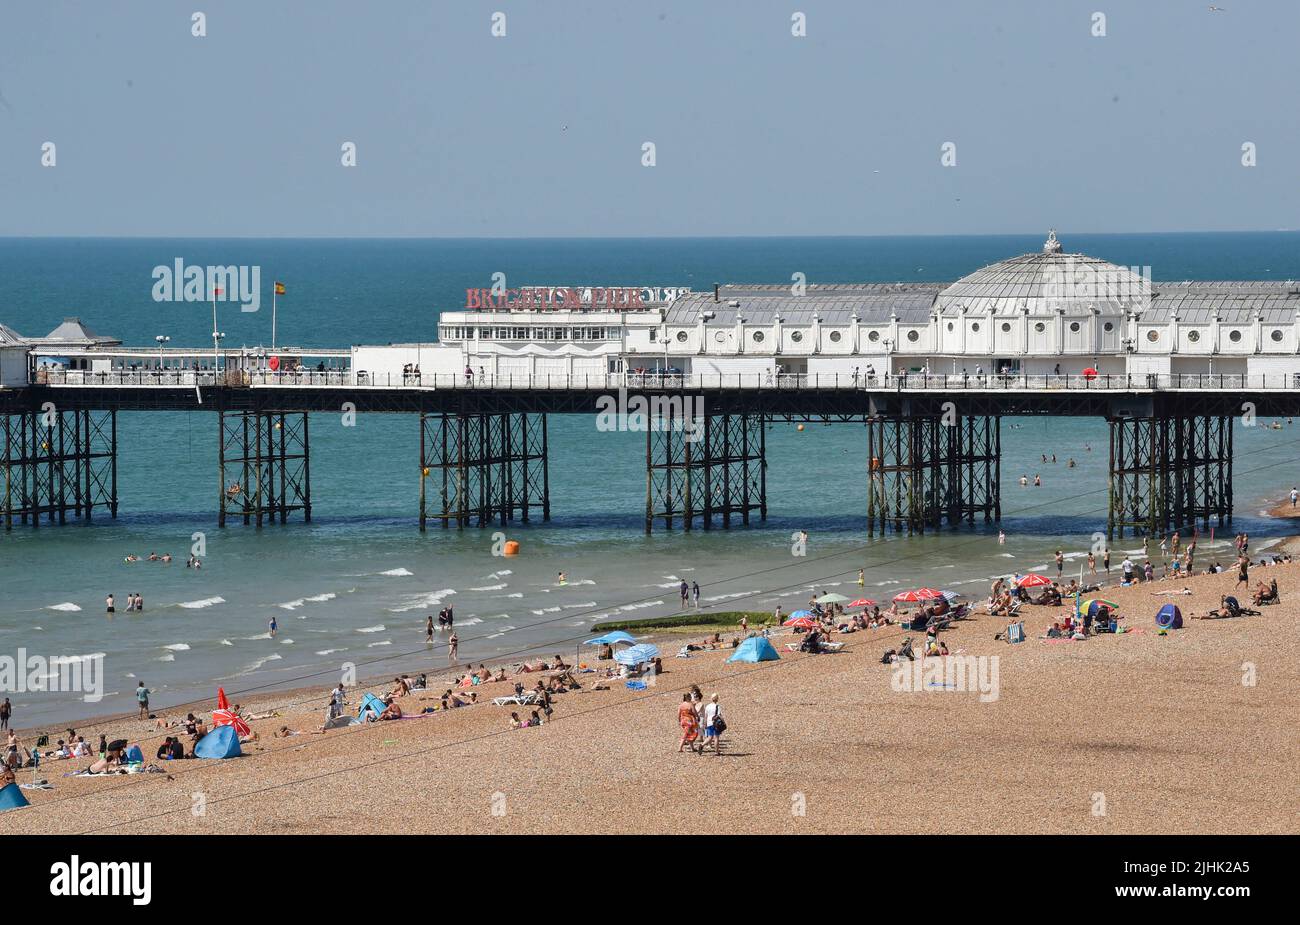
1138,732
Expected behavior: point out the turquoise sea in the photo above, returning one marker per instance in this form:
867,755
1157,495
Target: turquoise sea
355,585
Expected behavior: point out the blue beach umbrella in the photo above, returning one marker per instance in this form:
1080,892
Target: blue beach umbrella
800,613
611,638
635,655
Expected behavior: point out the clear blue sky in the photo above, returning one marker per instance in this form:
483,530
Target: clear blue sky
757,132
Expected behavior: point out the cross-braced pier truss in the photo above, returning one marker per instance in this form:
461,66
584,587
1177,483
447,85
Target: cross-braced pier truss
483,467
1169,472
707,468
925,470
264,466
58,463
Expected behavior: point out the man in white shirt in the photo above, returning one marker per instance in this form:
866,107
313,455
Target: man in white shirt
1127,567
712,713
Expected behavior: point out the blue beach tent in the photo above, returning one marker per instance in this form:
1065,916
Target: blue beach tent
371,702
755,649
12,797
1169,617
612,638
222,742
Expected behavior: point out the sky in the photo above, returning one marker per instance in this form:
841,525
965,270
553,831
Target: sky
541,132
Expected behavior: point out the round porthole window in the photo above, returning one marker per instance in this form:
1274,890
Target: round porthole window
1108,327
1234,336
1040,327
1006,326
975,326
1193,336
758,337
681,336
1276,335
873,336
1153,336
913,336
949,325
796,336
835,337
1074,327
720,336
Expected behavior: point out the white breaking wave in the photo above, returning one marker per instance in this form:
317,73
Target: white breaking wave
424,602
386,642
331,651
66,605
178,647
226,642
286,642
205,602
491,587
167,658
372,629
259,636
397,572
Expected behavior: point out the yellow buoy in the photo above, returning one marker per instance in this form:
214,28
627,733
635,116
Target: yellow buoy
512,548
424,471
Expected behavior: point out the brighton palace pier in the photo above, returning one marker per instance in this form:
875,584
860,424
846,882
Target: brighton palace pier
927,371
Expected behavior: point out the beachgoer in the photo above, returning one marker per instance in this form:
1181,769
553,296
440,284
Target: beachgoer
6,710
684,590
142,698
690,728
108,601
428,628
713,725
695,594
862,578
452,644
275,627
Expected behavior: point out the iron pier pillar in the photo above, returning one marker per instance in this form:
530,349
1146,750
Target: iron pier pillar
58,463
708,468
263,466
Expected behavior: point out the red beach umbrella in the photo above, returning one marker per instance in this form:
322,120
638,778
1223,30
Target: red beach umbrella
222,702
231,718
863,602
803,623
1033,580
916,595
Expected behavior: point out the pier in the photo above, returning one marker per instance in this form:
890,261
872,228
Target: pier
931,444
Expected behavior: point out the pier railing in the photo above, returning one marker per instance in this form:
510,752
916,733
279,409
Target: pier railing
910,382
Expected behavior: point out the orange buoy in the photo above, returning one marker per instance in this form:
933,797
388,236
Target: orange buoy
425,471
800,427
512,548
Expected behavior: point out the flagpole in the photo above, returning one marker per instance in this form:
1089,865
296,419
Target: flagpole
274,287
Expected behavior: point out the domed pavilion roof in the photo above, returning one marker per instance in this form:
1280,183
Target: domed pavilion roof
1047,282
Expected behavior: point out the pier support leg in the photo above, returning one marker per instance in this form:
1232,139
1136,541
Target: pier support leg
925,469
1169,472
489,467
264,466
57,463
710,469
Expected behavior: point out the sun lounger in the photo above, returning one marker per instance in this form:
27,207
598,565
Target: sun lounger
526,699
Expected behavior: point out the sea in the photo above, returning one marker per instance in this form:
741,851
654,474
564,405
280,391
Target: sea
352,588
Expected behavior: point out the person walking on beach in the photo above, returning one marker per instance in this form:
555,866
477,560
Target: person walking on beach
1105,561
1243,572
713,725
695,594
1060,564
337,698
142,698
862,578
1295,495
686,719
452,643
6,710
684,590
273,626
428,628
1092,564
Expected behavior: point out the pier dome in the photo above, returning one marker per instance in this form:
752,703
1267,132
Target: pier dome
1045,283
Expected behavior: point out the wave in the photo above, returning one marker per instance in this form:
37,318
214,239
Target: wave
386,642
286,642
259,663
331,651
66,605
491,587
69,659
178,647
259,636
205,602
424,602
226,642
397,573
167,658
372,629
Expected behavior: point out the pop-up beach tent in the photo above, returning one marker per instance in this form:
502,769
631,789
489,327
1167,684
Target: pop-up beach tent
371,702
11,797
222,742
1169,617
755,649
